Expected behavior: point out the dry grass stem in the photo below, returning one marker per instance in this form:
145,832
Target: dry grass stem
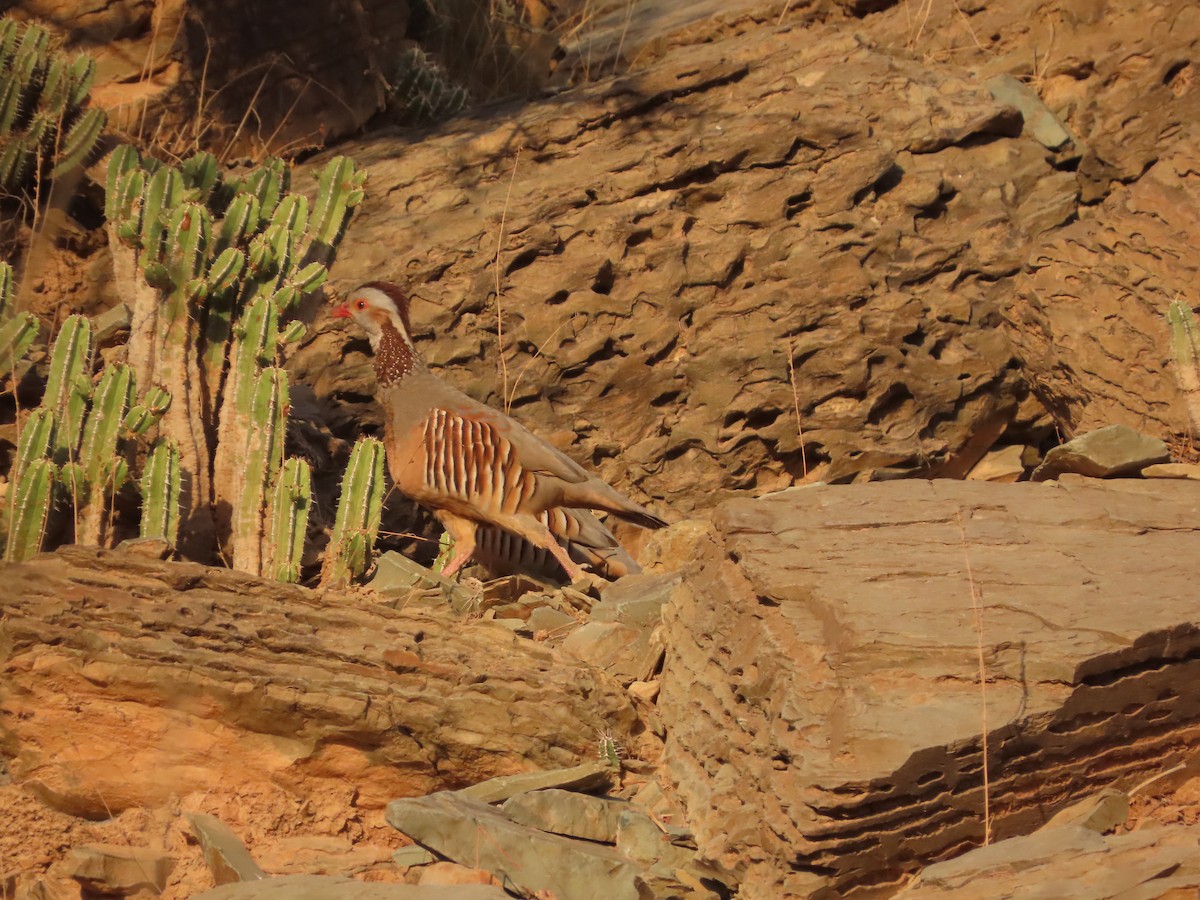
246,115
525,368
977,607
624,32
796,407
502,362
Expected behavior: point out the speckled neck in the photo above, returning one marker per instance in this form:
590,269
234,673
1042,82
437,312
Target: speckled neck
394,358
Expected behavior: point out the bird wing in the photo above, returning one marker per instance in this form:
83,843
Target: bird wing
531,452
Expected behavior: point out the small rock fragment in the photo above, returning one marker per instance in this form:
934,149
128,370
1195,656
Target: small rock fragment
396,576
338,887
226,856
624,651
1100,813
149,548
110,323
1003,466
1107,452
412,855
645,690
114,869
1041,124
1154,862
547,618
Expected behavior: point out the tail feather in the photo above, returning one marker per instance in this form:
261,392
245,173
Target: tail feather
639,517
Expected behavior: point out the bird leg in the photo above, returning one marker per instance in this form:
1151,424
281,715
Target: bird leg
462,531
540,536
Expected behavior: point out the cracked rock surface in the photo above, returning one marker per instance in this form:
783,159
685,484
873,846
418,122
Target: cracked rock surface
701,257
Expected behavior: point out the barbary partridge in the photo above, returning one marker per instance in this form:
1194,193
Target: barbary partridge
471,464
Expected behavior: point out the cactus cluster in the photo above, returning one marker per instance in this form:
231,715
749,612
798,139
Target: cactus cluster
42,99
74,449
215,268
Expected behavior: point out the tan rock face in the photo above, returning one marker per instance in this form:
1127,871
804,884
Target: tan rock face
1090,318
821,692
701,260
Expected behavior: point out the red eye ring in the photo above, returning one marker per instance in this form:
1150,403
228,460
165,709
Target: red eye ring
360,304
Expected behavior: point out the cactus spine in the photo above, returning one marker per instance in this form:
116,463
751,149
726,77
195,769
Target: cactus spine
359,509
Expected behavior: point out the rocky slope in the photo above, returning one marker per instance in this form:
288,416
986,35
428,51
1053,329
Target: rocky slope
760,245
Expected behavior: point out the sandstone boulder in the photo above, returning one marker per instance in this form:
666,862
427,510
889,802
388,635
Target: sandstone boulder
131,684
822,693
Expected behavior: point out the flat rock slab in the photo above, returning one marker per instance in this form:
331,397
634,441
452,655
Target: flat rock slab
335,887
1071,862
821,692
467,830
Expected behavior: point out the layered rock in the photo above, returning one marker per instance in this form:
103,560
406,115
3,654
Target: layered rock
822,691
133,684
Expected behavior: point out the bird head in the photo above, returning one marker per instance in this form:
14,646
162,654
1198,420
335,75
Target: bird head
376,306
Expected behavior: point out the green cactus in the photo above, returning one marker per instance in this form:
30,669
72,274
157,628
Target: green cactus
18,331
290,504
69,385
31,487
16,337
42,117
340,189
609,750
164,191
6,289
199,175
101,470
161,491
30,510
267,417
80,142
359,509
1185,342
34,442
422,91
